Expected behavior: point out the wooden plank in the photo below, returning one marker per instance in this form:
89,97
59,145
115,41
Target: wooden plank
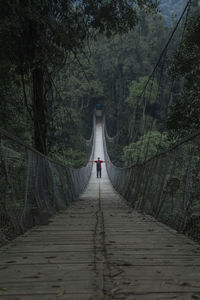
62,295
158,296
46,287
47,257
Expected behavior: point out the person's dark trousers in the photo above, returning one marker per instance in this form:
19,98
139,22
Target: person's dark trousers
98,173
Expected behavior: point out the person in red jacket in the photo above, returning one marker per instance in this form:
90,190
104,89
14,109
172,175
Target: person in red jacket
99,167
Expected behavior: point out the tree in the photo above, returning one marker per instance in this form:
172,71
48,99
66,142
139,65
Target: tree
184,113
135,98
124,59
43,33
147,146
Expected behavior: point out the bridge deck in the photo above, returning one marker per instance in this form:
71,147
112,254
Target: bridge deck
100,249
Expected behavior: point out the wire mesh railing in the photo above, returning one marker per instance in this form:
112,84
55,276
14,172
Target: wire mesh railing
166,186
162,184
33,187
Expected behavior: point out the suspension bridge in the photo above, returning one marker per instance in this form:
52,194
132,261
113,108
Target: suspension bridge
99,247
132,234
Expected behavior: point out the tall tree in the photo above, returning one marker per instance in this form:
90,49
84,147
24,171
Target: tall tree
184,113
43,32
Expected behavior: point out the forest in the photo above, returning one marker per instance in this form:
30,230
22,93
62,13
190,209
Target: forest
52,75
99,149
140,61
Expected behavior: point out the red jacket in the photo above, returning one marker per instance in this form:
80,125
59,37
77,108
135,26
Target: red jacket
100,161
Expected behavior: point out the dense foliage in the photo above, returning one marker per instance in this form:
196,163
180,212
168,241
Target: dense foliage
147,146
123,65
64,63
60,58
184,114
38,39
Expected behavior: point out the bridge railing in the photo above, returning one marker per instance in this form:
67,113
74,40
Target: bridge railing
33,187
166,186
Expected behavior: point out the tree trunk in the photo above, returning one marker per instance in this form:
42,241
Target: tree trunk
39,109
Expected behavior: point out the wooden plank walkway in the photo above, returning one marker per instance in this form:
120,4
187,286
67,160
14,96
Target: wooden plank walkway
99,248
